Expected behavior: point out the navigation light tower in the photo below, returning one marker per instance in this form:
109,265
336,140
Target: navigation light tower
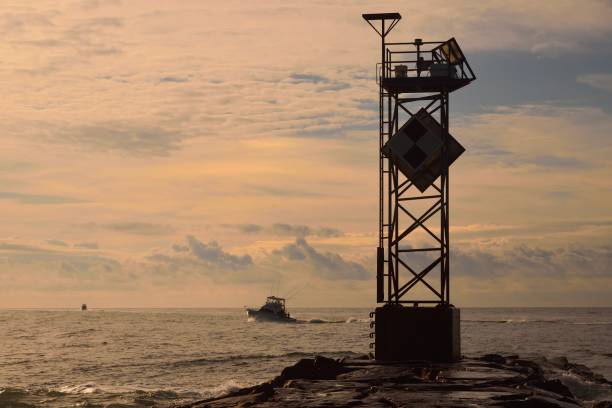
417,320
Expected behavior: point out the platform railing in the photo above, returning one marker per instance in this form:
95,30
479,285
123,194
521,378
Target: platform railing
423,59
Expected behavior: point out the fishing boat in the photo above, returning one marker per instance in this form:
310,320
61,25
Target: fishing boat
273,310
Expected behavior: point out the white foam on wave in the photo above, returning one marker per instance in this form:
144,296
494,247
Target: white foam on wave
592,323
93,388
86,388
225,388
517,321
585,390
357,320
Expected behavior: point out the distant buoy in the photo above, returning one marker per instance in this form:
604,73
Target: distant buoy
83,307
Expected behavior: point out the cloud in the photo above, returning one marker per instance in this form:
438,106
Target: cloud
327,265
304,231
327,232
140,228
199,259
585,228
297,78
533,262
180,248
17,22
326,129
17,247
19,167
95,4
57,242
62,45
41,199
30,267
128,227
327,84
86,245
291,230
295,261
213,255
173,79
555,161
335,86
280,191
538,136
520,158
601,81
245,228
123,137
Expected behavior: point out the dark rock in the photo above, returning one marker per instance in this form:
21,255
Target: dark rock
585,373
555,386
603,404
532,370
319,368
493,358
537,402
560,362
486,381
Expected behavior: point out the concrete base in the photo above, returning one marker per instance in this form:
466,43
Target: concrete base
417,333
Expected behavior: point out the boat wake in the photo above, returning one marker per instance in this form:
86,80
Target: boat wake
325,321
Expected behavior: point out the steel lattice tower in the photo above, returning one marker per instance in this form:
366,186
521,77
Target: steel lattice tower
415,79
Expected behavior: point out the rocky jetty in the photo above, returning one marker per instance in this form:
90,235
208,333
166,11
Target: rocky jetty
492,380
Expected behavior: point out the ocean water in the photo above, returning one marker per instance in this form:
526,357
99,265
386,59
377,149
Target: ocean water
161,357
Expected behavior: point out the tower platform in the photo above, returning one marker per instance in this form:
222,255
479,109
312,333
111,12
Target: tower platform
423,84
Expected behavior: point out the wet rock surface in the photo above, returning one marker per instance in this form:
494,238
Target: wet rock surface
492,380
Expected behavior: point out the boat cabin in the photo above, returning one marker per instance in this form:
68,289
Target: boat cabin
275,304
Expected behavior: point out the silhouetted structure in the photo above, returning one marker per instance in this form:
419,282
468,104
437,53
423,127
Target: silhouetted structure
415,79
272,310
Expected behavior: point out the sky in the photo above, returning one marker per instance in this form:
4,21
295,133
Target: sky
206,154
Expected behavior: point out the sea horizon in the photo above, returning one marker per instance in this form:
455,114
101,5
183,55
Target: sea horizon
89,308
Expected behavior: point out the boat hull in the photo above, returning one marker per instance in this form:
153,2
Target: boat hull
268,316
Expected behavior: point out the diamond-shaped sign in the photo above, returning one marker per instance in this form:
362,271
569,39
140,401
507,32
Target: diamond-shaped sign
416,149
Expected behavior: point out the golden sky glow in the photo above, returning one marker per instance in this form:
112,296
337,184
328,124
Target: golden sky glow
195,153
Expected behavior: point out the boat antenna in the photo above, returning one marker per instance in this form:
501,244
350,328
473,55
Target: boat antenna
295,292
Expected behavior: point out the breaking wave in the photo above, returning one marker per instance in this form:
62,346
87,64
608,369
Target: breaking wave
553,321
87,388
249,357
17,397
585,389
225,388
585,384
